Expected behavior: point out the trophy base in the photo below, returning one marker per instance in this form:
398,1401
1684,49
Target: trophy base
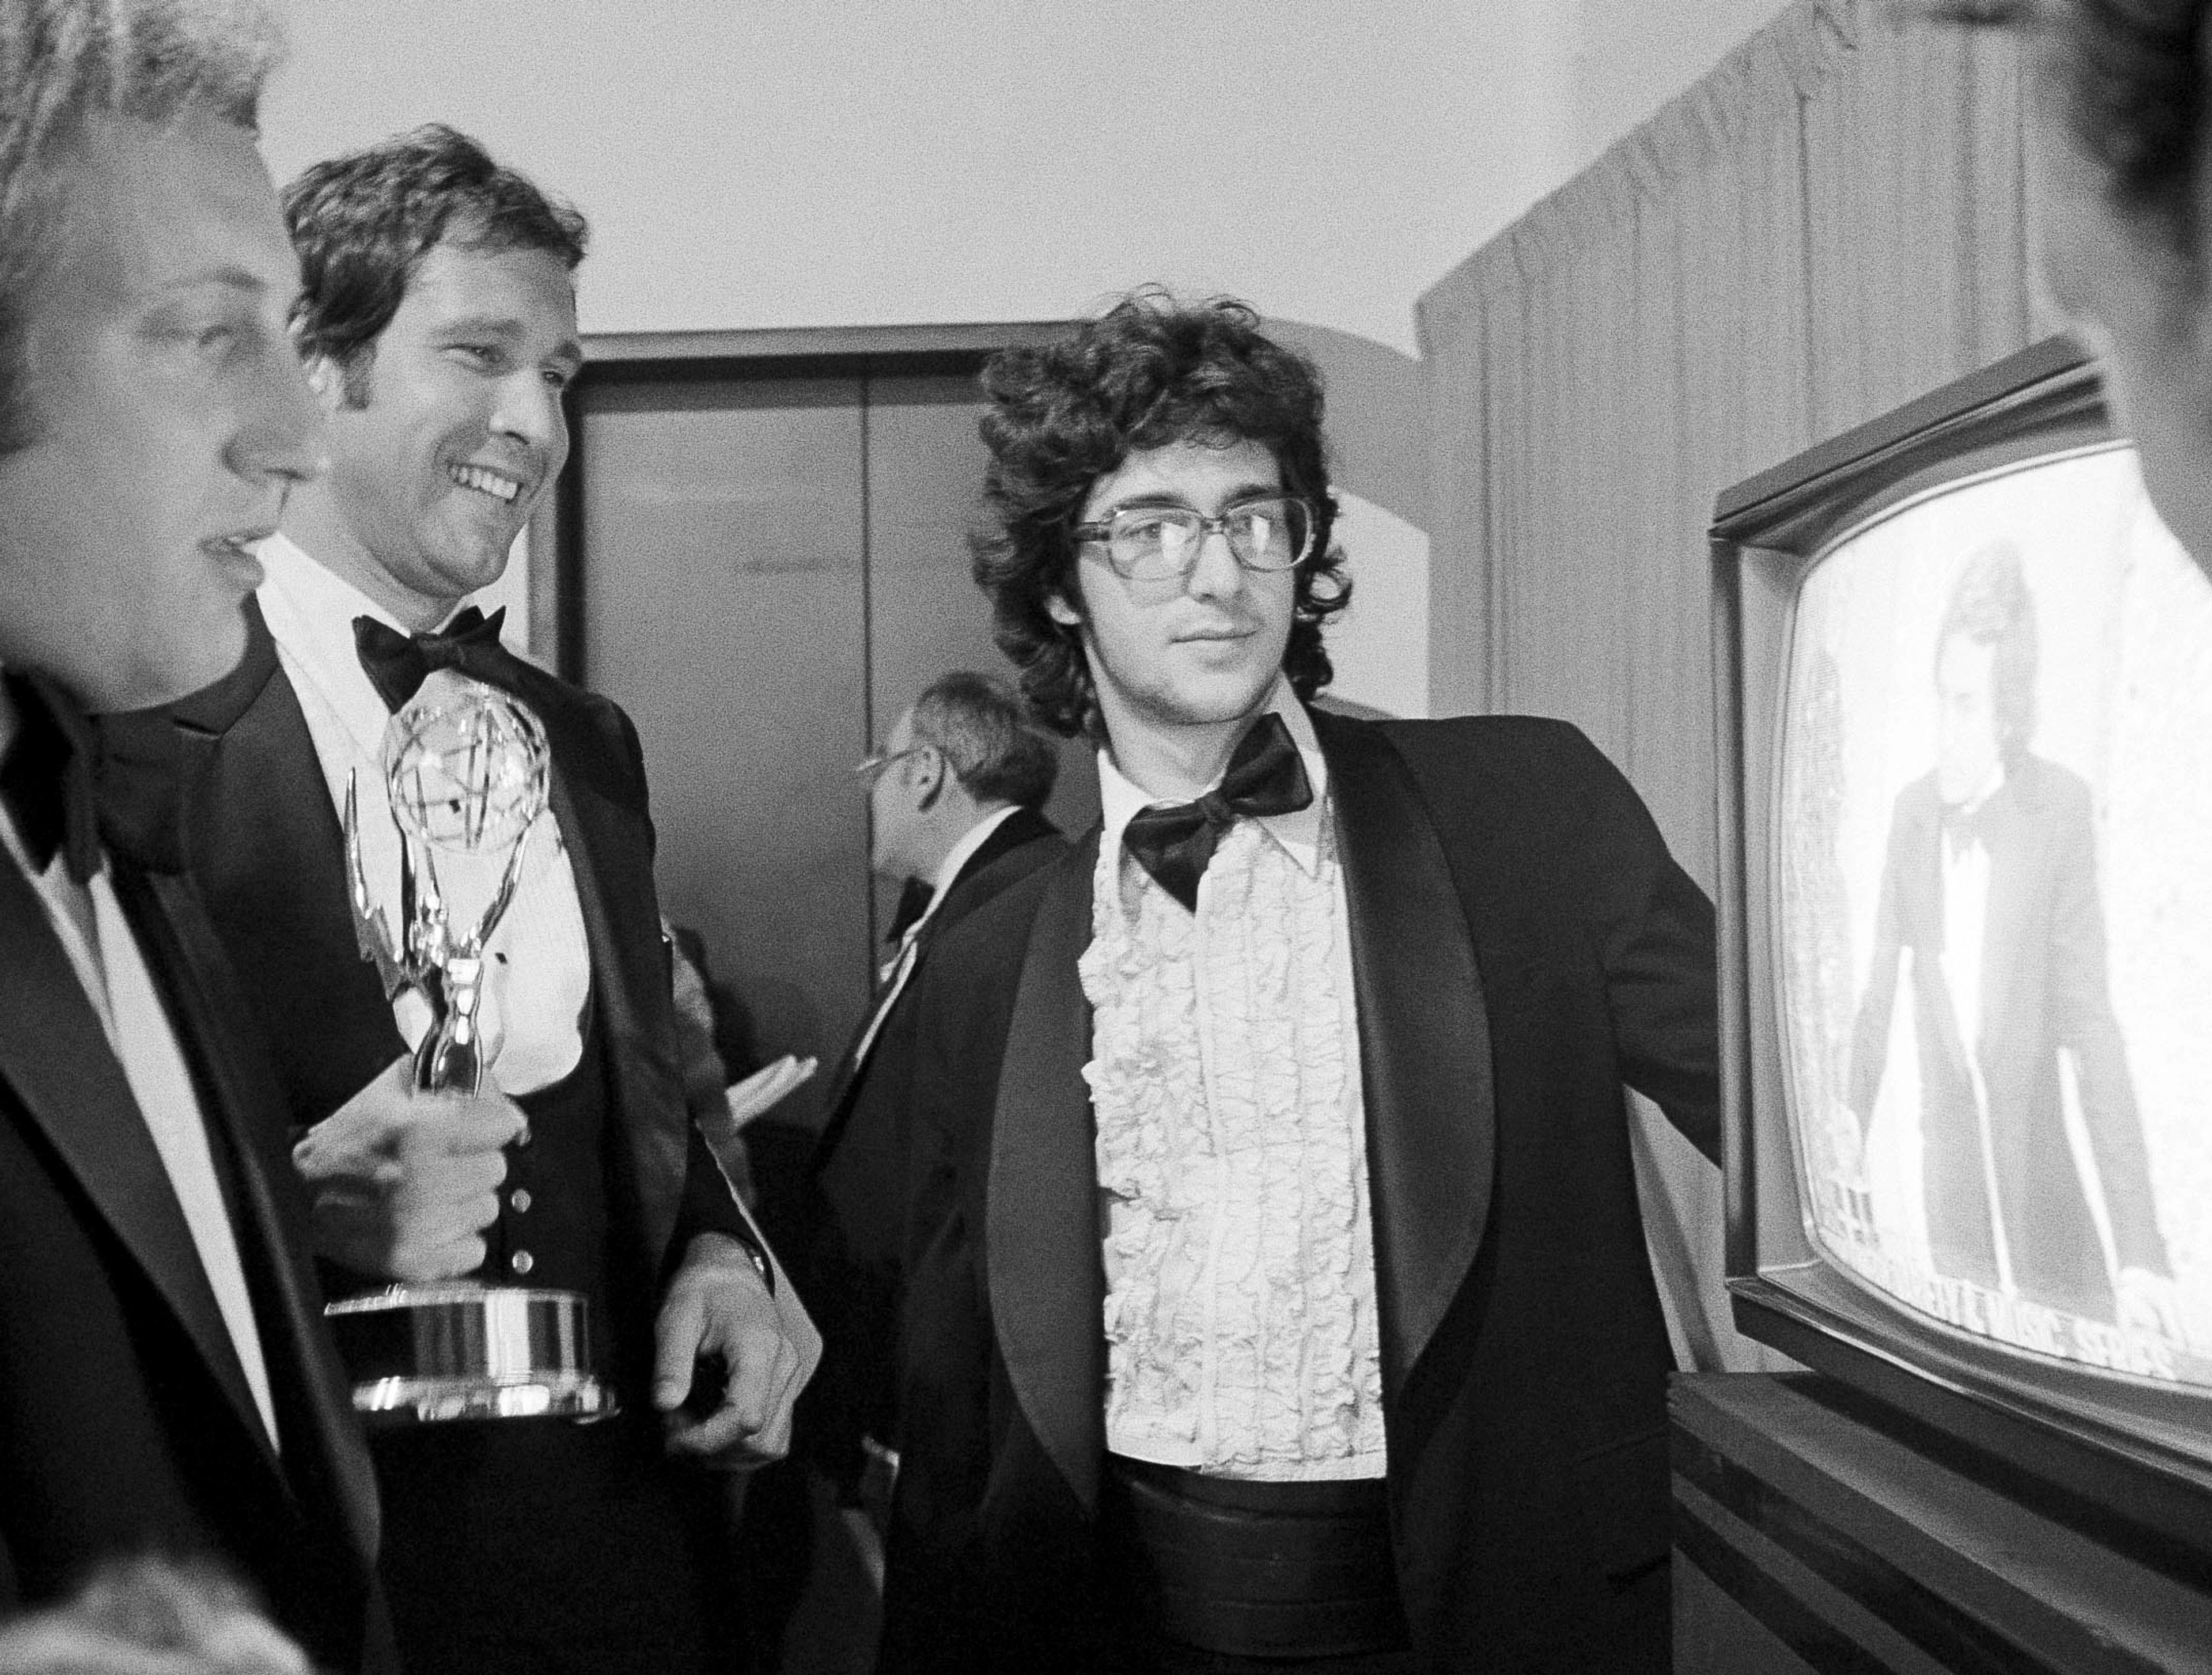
436,1354
383,1402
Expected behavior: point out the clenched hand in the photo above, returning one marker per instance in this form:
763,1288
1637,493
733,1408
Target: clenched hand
402,1185
718,1309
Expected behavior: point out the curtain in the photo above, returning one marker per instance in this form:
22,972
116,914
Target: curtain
1828,225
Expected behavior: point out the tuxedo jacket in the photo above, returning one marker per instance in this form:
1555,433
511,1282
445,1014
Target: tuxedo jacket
2043,990
268,851
860,1168
1521,946
126,1423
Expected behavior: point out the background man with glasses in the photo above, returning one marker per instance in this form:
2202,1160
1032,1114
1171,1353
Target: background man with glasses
955,799
1277,1291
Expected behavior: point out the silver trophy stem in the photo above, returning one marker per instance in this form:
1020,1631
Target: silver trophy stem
451,1053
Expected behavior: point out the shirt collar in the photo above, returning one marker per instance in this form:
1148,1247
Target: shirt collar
1120,798
310,610
949,869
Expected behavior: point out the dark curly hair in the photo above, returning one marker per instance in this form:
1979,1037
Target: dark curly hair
1990,605
1150,372
2134,75
363,222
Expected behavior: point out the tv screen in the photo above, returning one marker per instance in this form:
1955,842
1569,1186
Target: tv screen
1995,914
1964,729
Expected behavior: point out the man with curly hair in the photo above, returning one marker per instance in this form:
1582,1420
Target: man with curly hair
1278,1297
1989,881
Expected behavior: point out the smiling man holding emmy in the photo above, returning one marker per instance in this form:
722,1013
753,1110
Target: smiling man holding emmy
439,327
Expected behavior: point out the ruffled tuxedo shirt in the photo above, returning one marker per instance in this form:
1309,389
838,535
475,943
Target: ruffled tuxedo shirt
1240,1315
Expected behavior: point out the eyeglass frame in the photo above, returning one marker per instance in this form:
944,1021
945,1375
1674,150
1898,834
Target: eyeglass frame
873,766
1098,532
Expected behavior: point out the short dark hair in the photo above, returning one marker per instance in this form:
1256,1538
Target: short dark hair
2134,73
363,222
1149,372
66,62
987,737
1990,605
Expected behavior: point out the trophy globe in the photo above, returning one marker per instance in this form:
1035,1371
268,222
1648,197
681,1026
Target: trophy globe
465,771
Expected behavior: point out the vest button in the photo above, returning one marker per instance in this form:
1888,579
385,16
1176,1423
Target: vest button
522,1262
520,1200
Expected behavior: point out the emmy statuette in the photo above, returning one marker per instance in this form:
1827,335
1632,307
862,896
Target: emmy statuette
465,768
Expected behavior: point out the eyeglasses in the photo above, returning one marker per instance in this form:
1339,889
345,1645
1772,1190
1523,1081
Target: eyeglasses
1162,543
870,767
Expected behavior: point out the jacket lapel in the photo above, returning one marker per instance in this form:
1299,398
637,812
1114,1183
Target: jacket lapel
609,848
55,1055
1043,1266
268,854
1023,825
1424,1041
245,1105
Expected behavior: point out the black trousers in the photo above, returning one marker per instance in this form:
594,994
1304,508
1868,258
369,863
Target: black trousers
513,1547
1144,1655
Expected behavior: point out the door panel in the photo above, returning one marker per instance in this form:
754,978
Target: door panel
723,608
772,570
925,476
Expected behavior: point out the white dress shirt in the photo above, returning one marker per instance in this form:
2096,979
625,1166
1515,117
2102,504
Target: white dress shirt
537,962
1966,928
1240,1315
892,979
104,952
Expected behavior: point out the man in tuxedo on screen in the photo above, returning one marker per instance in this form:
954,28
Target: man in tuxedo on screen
955,801
438,324
1990,887
167,1380
1277,1293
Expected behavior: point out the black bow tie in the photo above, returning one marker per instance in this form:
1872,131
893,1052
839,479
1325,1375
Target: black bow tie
1963,828
1174,843
398,664
72,785
913,903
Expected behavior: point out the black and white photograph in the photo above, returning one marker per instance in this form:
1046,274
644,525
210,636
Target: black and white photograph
1150,837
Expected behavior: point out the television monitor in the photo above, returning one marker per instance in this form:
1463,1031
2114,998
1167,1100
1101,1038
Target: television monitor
1964,713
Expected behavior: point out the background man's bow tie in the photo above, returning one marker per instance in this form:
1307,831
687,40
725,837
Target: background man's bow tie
398,664
913,903
1175,842
1965,827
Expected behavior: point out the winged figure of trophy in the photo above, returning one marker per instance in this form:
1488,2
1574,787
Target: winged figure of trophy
465,770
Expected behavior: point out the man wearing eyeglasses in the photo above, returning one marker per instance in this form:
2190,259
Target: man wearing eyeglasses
955,803
1277,1291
